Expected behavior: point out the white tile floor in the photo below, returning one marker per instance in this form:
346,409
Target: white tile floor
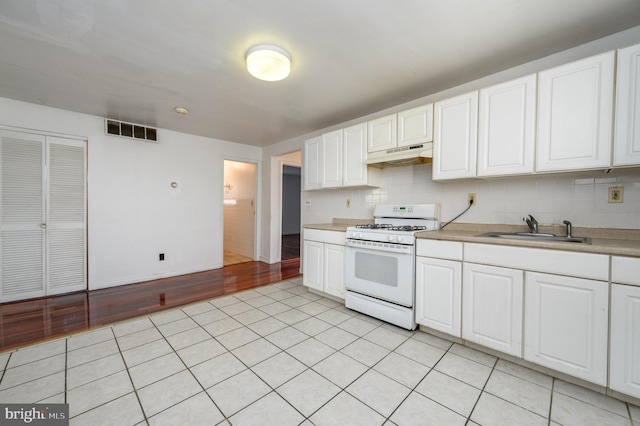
280,355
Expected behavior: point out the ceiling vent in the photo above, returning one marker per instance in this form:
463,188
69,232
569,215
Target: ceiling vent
130,130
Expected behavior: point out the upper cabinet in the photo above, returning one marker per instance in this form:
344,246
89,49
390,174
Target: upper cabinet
415,126
410,127
506,128
338,159
354,166
331,153
575,114
313,164
455,137
627,124
382,133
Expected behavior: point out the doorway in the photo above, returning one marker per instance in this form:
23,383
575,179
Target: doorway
239,213
291,185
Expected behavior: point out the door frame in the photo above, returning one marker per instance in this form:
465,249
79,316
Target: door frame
275,240
257,206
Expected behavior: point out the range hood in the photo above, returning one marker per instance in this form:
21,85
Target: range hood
403,156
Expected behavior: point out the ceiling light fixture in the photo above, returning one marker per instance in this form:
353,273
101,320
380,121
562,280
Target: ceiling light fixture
181,110
268,63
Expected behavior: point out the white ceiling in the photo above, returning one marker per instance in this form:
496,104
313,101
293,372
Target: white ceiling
135,60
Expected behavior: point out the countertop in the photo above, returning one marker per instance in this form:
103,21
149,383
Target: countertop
622,242
339,225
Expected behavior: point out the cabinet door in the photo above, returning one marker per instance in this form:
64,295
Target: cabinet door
626,144
415,126
492,307
332,159
439,294
313,164
566,325
382,133
355,156
506,128
313,265
334,277
575,114
624,364
455,137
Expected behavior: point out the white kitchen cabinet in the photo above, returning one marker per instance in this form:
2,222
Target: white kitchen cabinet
313,164
323,260
355,170
455,137
415,126
492,307
337,159
332,159
382,133
624,364
334,272
626,144
575,115
439,294
506,128
566,325
313,264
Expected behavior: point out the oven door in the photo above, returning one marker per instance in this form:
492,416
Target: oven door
383,273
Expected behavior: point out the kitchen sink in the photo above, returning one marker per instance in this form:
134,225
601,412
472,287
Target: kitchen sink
529,236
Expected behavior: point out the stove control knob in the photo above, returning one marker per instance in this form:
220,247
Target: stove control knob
392,238
399,239
360,235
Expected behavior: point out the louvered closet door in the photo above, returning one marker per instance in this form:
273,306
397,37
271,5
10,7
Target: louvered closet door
23,216
43,216
66,207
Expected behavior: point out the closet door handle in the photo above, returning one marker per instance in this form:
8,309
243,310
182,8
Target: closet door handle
43,225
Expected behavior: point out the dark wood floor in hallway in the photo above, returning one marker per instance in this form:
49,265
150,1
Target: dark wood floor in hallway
32,321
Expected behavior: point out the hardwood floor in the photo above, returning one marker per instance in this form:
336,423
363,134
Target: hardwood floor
290,247
36,320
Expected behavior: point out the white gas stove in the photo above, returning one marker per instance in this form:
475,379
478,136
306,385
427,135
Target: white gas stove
381,261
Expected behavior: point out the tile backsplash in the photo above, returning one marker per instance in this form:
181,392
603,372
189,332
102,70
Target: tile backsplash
580,197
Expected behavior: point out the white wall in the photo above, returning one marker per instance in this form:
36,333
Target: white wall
133,213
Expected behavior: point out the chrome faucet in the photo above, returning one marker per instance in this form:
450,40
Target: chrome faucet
532,223
566,222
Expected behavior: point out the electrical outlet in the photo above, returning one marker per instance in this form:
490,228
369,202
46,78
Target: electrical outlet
616,194
161,257
472,198
348,203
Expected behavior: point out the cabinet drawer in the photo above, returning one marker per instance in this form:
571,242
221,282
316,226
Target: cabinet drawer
331,237
583,265
625,270
451,250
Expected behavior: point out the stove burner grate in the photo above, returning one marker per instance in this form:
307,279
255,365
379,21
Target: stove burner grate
375,226
409,228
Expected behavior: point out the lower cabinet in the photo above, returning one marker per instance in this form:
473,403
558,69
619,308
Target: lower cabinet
438,294
624,365
323,257
549,307
313,264
492,307
334,270
566,325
